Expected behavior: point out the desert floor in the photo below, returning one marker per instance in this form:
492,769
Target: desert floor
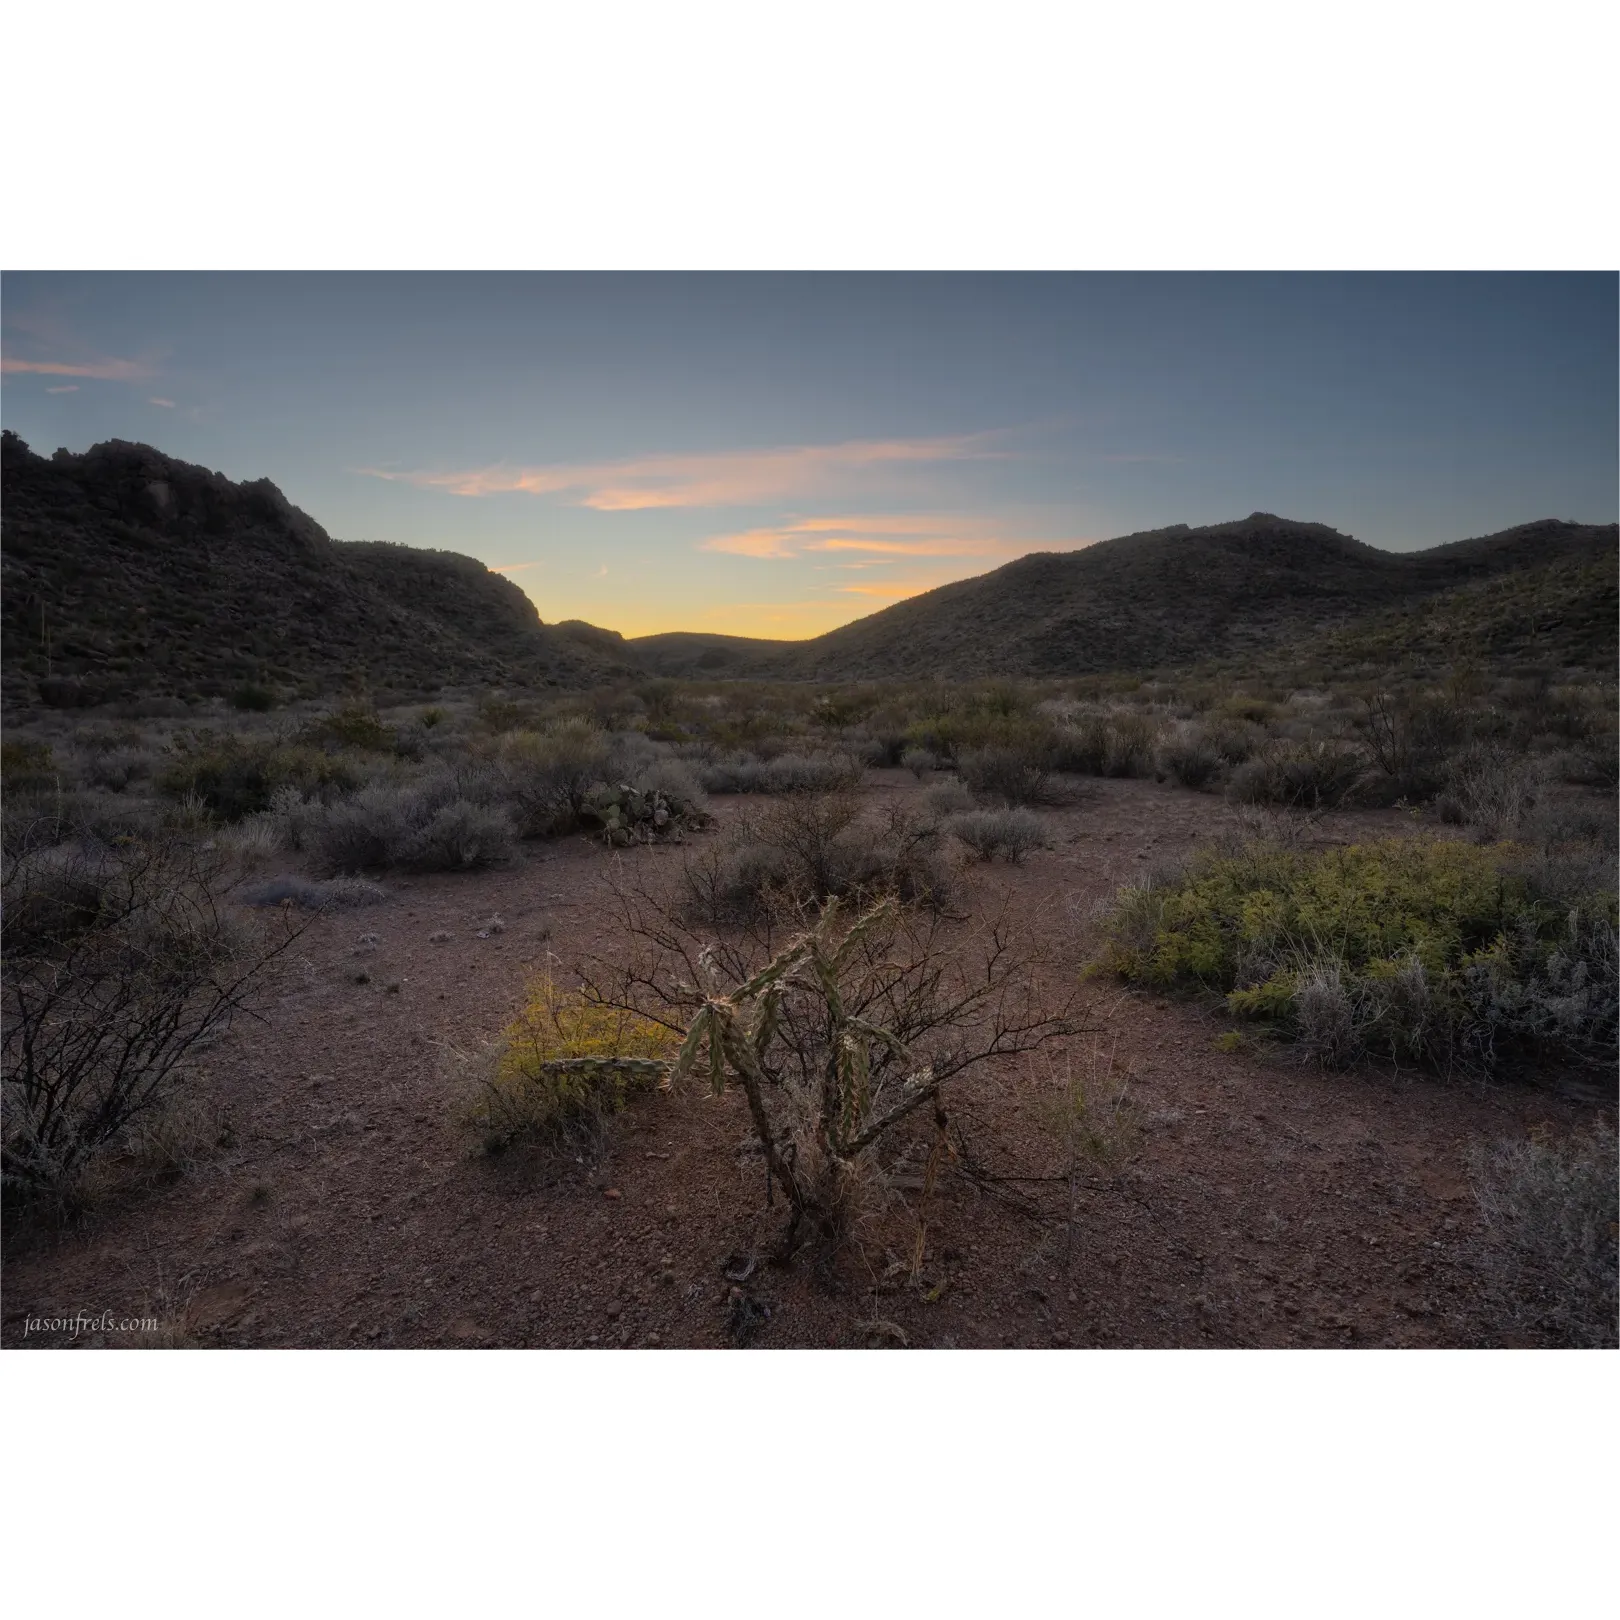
1248,1201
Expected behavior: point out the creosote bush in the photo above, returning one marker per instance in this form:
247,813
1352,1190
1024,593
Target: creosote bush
1407,949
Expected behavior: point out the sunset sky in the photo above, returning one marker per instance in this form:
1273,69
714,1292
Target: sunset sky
776,455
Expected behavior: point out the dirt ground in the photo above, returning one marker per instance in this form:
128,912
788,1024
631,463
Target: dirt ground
1250,1200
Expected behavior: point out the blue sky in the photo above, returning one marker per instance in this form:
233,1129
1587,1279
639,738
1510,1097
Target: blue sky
778,454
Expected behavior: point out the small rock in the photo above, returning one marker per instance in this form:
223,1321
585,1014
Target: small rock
612,1192
613,1311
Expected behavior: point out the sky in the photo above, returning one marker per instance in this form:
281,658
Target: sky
775,455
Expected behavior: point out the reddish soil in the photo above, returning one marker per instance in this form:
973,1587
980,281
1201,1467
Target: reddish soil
1255,1202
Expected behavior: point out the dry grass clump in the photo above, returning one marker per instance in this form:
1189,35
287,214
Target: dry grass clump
1551,1216
338,893
1492,787
562,1068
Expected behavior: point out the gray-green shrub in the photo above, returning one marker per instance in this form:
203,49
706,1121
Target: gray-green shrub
1010,833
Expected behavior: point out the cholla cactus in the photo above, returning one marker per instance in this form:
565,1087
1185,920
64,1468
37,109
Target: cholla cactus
737,1030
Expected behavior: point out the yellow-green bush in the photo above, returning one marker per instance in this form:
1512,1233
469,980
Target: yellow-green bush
1408,948
537,1086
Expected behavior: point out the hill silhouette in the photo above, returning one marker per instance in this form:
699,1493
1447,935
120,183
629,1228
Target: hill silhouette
127,573
1156,599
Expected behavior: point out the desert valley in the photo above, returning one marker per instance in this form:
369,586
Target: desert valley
1205,937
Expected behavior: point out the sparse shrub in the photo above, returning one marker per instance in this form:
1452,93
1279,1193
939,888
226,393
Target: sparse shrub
1404,949
354,725
1006,774
371,829
428,827
116,769
562,1068
431,717
234,777
1493,789
808,849
948,799
787,773
1010,833
1115,742
1301,775
1550,1214
118,966
551,775
920,761
459,837
676,781
835,1034
337,892
1190,759
253,698
26,766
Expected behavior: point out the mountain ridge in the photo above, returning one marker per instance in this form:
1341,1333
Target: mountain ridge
128,572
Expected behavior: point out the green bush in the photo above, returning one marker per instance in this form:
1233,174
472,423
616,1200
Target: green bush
1406,949
253,698
26,766
234,777
355,725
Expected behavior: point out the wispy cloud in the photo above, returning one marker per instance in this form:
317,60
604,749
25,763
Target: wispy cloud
511,568
101,370
723,478
64,388
885,535
167,404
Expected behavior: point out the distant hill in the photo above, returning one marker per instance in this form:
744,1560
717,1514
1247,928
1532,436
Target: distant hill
1159,599
127,573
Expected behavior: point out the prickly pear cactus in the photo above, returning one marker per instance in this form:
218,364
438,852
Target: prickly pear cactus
627,815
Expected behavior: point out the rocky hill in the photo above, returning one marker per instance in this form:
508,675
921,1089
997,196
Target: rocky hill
129,574
1159,599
